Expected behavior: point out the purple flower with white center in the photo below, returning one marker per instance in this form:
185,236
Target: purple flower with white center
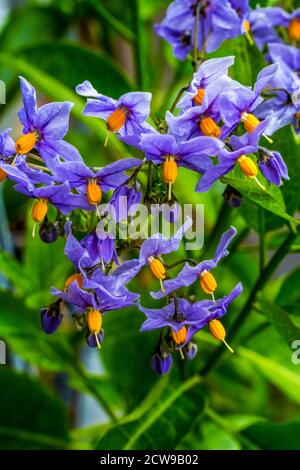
272,166
284,107
124,201
51,317
91,183
45,128
207,75
161,361
126,116
286,56
7,145
189,274
193,154
243,146
238,104
150,250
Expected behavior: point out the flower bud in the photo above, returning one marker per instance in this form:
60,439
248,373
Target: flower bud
190,350
232,196
51,317
48,231
161,362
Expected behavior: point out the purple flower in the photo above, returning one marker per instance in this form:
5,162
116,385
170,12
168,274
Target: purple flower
7,145
288,56
207,75
189,274
150,250
91,340
272,166
261,28
51,317
91,183
238,104
244,146
193,154
59,195
161,362
190,350
124,201
45,128
127,115
181,313
283,108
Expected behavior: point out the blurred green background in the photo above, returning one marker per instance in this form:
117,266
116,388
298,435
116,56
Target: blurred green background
56,394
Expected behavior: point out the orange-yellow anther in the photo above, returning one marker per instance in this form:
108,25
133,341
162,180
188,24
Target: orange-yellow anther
93,192
294,29
94,321
209,127
179,337
297,115
247,166
250,122
217,330
247,26
2,175
39,210
170,170
198,99
208,282
26,143
157,268
116,120
74,277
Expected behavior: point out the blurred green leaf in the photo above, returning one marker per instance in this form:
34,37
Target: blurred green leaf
285,380
289,291
159,428
275,436
73,63
281,321
15,273
30,416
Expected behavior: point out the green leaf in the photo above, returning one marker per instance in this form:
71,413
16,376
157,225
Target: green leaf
286,381
271,199
281,321
74,63
174,413
275,436
15,273
30,416
289,291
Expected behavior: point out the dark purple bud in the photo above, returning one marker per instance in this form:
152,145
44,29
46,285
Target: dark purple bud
51,317
48,232
161,362
233,197
272,166
91,339
190,350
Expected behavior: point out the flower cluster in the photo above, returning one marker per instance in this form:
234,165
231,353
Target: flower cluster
216,125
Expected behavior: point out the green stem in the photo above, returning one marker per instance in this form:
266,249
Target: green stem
139,45
263,278
179,95
117,25
262,238
185,260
